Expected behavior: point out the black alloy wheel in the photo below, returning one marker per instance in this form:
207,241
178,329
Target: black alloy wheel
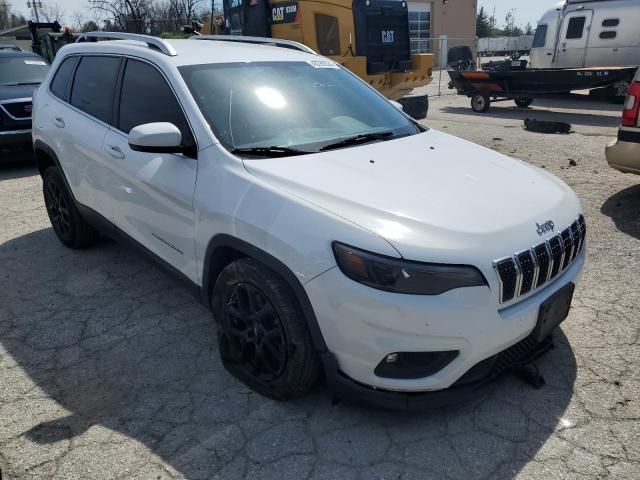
263,337
57,208
255,338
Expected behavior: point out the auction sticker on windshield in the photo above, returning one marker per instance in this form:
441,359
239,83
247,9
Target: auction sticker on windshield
322,63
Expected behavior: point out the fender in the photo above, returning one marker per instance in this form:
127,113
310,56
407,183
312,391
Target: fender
274,264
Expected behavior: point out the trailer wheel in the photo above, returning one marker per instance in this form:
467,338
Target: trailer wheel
480,103
416,107
523,102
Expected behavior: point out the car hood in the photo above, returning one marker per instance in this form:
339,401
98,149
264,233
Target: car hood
433,196
17,91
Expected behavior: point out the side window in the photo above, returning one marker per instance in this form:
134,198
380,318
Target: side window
327,34
62,79
576,28
540,40
611,22
147,98
94,85
608,34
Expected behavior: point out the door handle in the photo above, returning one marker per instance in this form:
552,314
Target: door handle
58,122
115,152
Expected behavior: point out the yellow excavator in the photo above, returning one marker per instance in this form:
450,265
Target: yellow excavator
368,37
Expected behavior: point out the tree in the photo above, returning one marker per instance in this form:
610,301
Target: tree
51,12
79,20
483,26
126,15
90,26
528,29
509,23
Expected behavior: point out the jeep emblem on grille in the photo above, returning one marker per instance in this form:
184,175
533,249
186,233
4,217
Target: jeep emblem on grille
545,227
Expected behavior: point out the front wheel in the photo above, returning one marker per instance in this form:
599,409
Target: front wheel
262,335
480,103
523,102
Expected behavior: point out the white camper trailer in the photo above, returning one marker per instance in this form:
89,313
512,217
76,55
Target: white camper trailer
588,33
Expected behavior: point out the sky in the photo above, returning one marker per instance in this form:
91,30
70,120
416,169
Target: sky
525,10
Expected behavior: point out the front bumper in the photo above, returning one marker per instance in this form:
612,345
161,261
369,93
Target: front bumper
468,386
15,136
361,326
15,144
624,153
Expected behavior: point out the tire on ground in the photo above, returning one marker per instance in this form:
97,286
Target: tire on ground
67,223
523,102
416,107
302,365
480,103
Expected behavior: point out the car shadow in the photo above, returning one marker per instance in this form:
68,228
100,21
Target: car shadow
624,209
514,113
118,344
14,170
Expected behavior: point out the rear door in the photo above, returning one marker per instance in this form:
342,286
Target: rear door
574,39
80,123
152,193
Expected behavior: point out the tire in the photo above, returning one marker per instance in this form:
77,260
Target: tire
523,102
416,107
67,223
262,334
480,103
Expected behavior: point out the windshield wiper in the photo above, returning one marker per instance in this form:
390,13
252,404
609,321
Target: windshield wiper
357,140
273,151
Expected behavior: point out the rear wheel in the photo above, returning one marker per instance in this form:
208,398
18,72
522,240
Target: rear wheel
523,102
262,334
65,219
480,103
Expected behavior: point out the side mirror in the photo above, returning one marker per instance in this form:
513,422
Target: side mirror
160,137
398,105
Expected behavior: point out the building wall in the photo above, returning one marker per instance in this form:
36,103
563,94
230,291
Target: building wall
456,19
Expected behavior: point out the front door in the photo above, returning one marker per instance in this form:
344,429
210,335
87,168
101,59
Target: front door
152,193
574,39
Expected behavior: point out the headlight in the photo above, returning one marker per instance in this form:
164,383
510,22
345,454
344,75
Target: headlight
402,276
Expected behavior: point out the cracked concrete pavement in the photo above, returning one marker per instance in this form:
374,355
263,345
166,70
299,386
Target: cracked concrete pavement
110,370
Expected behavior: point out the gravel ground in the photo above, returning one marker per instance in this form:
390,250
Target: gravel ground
108,369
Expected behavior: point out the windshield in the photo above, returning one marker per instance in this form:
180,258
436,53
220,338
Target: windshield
297,105
22,70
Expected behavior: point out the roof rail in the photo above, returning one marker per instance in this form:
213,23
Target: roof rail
152,42
276,42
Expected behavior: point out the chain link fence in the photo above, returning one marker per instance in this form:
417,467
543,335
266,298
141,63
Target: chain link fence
448,52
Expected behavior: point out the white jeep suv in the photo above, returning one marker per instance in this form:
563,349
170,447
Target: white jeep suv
326,230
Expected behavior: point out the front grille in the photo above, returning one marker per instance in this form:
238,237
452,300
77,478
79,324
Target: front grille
528,269
544,262
531,269
18,109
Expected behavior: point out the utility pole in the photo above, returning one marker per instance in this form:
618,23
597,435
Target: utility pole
211,32
35,4
5,15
